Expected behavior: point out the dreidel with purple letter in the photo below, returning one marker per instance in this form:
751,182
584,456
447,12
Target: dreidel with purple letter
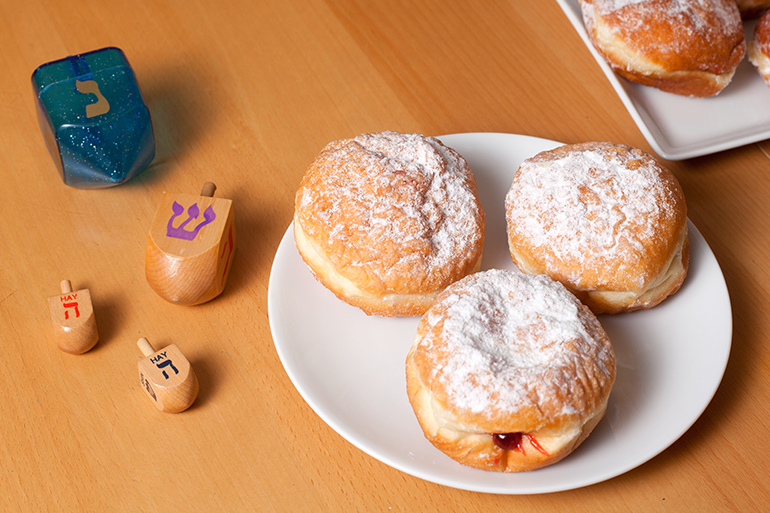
73,319
167,378
190,247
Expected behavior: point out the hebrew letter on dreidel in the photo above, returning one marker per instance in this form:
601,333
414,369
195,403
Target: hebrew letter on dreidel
102,106
192,213
166,363
71,305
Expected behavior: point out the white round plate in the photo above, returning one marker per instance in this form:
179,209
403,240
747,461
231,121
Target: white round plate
350,367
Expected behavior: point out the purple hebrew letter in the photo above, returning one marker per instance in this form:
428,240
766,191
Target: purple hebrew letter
192,213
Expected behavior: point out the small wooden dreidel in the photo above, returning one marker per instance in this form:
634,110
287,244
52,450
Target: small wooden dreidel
167,377
94,120
190,247
73,319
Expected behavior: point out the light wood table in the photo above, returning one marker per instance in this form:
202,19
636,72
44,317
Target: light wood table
245,94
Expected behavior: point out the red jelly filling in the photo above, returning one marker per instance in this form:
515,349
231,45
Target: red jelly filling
513,442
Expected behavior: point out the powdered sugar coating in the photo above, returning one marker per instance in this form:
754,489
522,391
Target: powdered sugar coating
702,35
595,215
399,209
499,343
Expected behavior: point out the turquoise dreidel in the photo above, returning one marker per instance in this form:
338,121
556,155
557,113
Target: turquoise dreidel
93,118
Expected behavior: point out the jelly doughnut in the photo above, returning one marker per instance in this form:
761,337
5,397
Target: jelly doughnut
509,372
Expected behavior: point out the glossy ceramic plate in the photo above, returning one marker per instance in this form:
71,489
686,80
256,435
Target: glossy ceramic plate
350,367
678,127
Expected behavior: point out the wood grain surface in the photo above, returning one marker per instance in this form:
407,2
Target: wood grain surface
245,94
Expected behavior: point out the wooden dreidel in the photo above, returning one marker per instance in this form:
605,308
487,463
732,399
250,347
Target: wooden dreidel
73,319
167,377
190,247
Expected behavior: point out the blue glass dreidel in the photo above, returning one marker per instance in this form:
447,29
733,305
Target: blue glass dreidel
190,247
93,118
167,378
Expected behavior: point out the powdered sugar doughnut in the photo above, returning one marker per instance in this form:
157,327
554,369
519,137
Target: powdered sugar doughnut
679,46
387,220
759,47
509,372
606,220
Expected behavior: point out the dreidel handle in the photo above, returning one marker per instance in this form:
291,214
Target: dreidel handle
66,286
209,188
145,346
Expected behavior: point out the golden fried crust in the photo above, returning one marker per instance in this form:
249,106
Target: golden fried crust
759,47
502,352
606,220
386,221
679,46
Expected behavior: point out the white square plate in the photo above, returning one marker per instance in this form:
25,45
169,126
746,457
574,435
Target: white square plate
678,127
